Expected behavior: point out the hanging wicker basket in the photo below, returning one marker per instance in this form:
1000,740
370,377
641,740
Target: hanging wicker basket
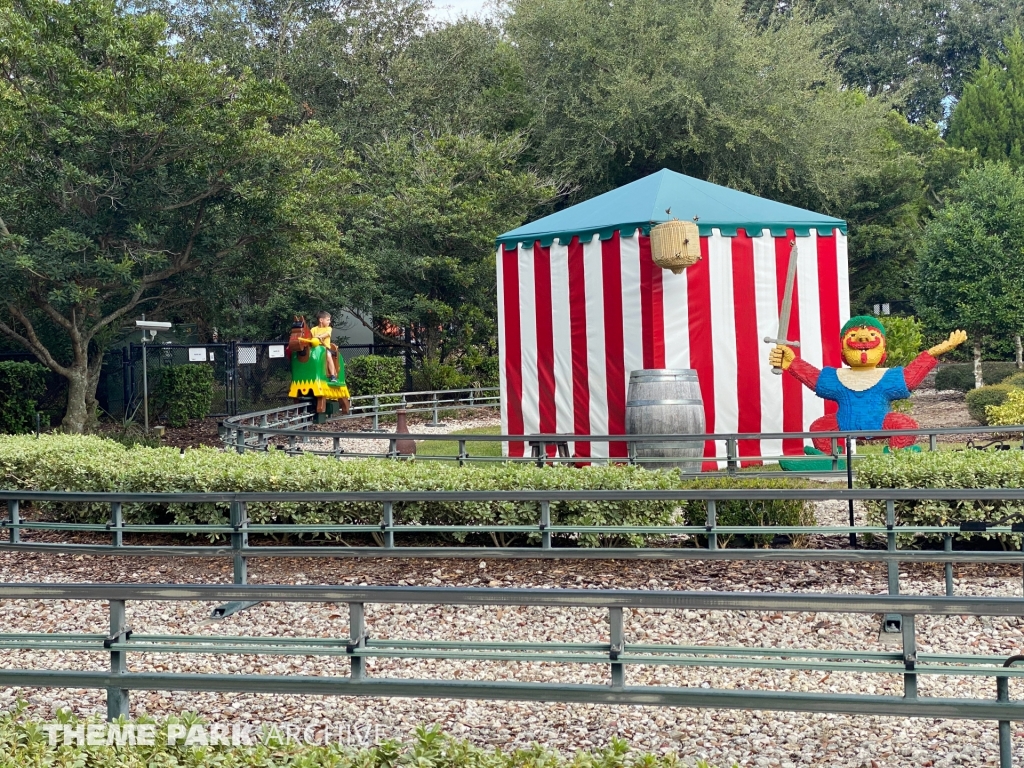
675,245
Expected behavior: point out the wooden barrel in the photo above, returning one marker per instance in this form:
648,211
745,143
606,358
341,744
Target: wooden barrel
663,401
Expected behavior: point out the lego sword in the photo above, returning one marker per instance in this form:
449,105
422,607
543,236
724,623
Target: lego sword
787,306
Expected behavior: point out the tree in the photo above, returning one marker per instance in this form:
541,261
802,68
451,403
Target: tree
130,178
434,206
623,89
990,115
891,205
918,53
970,272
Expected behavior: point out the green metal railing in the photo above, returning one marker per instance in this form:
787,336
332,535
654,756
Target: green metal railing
617,654
255,432
545,529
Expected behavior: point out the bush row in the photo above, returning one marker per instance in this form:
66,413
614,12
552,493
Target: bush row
961,375
941,469
26,743
76,463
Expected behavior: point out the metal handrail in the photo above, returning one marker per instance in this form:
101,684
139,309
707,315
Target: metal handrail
617,653
544,528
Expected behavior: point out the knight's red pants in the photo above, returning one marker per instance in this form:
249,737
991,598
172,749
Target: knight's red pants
828,423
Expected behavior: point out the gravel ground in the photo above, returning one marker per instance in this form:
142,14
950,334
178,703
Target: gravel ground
722,737
369,445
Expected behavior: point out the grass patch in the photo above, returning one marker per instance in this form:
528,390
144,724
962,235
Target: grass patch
451,448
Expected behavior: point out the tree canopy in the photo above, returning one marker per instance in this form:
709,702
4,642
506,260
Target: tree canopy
990,116
970,272
131,176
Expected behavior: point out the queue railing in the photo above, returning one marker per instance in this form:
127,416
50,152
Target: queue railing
615,652
554,540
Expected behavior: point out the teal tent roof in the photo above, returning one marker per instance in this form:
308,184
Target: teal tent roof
642,203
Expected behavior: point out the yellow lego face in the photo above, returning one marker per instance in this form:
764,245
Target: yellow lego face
864,347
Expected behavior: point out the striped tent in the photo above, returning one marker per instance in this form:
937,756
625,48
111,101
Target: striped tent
581,304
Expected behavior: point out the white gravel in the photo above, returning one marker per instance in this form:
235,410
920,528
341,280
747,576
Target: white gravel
723,738
376,446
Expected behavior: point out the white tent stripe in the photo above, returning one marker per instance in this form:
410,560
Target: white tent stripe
596,367
562,337
723,336
810,318
766,292
528,333
676,315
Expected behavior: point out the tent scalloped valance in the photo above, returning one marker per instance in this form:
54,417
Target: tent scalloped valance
752,229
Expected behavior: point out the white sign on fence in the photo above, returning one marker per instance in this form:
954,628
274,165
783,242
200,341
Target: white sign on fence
197,354
275,350
247,355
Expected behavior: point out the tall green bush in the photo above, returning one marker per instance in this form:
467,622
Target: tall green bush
185,392
74,463
21,387
375,374
432,375
904,339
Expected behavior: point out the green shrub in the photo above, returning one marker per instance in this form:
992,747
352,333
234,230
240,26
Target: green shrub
21,387
1016,380
432,375
185,392
77,463
982,397
961,375
1011,411
375,375
903,339
945,469
24,742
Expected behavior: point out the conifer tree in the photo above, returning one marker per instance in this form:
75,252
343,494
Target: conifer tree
990,116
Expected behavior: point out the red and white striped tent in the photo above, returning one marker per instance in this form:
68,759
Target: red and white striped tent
581,304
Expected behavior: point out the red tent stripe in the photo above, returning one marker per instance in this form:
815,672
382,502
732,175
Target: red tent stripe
748,345
792,394
613,338
698,293
828,293
578,321
545,340
513,349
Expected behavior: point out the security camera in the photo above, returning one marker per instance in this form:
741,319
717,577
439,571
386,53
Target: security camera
152,325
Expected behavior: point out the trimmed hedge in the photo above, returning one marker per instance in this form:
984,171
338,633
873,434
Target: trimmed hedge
961,375
25,743
185,392
945,469
979,399
21,387
88,463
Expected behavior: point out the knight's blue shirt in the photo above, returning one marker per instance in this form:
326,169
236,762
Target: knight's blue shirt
865,409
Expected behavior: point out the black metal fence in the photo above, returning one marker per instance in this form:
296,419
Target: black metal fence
247,375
